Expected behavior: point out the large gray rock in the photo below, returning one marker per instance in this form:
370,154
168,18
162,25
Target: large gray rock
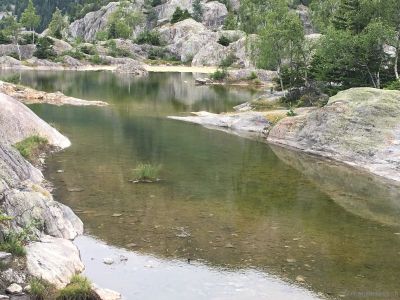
249,122
133,67
10,62
14,168
93,22
54,260
105,294
211,54
360,126
26,50
186,38
17,122
36,203
60,46
214,14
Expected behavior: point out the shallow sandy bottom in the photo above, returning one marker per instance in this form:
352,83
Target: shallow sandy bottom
141,276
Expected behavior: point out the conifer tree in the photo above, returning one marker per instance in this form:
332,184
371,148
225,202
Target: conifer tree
30,19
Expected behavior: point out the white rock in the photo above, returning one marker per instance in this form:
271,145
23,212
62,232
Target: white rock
5,257
14,289
108,261
105,294
18,122
4,297
54,260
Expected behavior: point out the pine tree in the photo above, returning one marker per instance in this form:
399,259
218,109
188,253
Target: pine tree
348,17
197,11
57,24
30,19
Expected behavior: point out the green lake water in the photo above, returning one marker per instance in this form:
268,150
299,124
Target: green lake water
227,202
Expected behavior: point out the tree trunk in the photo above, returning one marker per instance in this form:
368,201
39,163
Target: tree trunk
280,77
19,51
33,36
396,60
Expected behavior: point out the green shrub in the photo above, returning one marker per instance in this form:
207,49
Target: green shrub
78,289
149,37
180,15
102,35
4,39
219,75
224,41
114,51
253,76
30,146
97,60
14,243
394,85
155,3
39,289
75,53
228,61
44,49
88,49
27,38
14,55
231,22
146,172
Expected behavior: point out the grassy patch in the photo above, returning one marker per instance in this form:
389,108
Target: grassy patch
31,146
146,172
12,244
78,289
275,116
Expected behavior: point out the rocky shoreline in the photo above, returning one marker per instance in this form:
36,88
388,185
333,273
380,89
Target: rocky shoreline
27,206
359,127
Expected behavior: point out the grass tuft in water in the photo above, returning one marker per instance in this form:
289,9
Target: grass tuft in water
30,146
78,289
146,172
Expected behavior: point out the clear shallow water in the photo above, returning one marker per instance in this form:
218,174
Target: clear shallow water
226,202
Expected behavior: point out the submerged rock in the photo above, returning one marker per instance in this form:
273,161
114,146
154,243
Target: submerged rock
54,260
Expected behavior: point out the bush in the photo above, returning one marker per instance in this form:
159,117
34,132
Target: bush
4,39
228,61
27,38
30,146
44,49
253,76
155,3
146,172
305,97
13,245
14,55
78,289
114,51
149,37
76,53
88,49
224,41
219,75
180,15
97,60
102,35
39,289
394,85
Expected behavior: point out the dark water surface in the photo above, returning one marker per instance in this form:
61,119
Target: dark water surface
228,203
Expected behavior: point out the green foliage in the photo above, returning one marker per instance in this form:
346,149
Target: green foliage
180,15
122,22
102,35
57,24
114,51
30,146
291,113
197,10
75,53
4,218
14,241
15,79
231,22
228,61
78,289
4,39
39,289
44,48
219,75
393,85
146,172
253,76
30,19
149,37
224,40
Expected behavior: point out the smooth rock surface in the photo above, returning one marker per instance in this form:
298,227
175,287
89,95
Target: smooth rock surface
14,289
54,260
36,203
17,122
105,294
359,126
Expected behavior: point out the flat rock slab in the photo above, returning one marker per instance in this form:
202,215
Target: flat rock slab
245,122
55,260
106,294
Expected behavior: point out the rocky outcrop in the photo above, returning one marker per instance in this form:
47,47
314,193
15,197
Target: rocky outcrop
360,126
11,49
246,124
93,22
54,260
305,17
214,14
30,96
32,202
17,122
60,46
133,67
10,62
